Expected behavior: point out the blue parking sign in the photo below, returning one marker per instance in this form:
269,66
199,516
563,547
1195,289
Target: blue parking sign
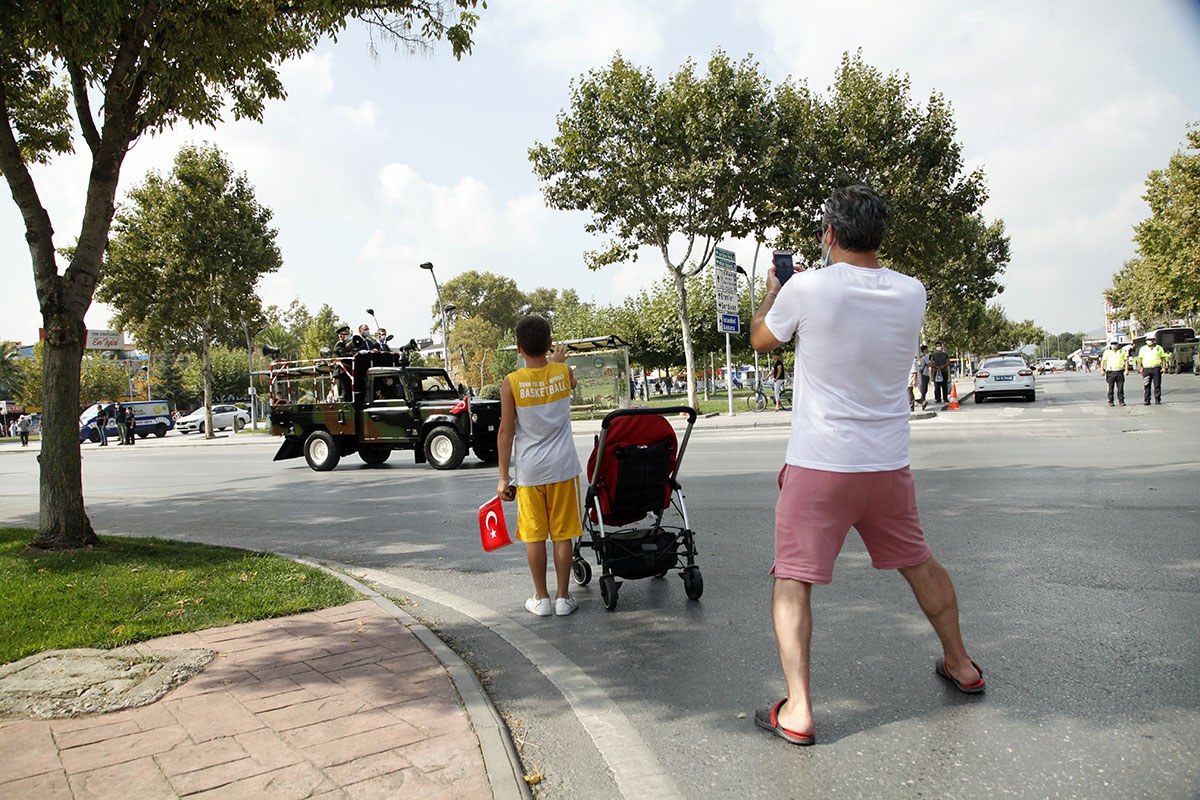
729,323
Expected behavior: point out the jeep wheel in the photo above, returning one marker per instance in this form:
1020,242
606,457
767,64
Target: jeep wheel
374,455
487,453
320,451
94,436
160,430
444,448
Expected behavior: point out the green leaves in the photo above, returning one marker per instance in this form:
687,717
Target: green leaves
1163,280
186,255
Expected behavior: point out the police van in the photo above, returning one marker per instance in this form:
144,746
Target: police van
151,416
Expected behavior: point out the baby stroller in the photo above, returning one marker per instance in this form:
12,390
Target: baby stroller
631,484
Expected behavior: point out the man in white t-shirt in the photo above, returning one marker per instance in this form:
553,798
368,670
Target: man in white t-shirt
847,464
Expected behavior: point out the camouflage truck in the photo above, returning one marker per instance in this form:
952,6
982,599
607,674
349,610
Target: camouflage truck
1180,346
374,403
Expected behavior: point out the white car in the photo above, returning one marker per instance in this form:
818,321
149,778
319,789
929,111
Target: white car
223,416
1004,377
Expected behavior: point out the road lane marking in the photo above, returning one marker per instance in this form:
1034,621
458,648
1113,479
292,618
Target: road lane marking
636,771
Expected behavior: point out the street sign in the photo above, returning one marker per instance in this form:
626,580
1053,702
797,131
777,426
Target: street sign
729,323
725,283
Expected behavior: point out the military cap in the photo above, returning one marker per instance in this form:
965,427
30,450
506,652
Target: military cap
343,329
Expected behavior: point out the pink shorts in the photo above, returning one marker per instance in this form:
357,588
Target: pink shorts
816,509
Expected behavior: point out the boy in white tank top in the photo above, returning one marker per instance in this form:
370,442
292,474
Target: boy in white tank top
535,419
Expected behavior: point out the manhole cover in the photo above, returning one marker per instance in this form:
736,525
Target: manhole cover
64,683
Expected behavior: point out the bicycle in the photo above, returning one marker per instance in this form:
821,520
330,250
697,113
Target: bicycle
758,399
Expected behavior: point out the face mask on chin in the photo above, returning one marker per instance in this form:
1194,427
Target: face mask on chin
826,252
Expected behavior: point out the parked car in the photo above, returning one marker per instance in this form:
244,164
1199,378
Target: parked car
223,416
1004,377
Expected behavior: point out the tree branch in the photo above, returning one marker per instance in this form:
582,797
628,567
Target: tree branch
83,107
39,234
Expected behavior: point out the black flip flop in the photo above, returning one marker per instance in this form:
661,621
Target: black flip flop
767,719
974,688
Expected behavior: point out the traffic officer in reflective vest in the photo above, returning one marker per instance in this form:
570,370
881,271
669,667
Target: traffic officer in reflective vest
1113,364
1152,358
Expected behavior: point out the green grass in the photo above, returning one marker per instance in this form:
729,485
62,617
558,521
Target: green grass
130,590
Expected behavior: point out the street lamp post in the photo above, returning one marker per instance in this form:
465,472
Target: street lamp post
250,373
445,332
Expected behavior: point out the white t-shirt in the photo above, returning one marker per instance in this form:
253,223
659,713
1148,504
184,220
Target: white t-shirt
855,330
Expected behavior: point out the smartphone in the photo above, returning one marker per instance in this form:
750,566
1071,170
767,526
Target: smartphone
782,259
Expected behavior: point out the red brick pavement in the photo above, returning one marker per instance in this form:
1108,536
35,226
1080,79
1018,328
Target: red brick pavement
340,703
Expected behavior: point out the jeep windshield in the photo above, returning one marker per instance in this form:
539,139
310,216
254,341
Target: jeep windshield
433,385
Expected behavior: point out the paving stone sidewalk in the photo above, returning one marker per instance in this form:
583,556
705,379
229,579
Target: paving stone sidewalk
340,703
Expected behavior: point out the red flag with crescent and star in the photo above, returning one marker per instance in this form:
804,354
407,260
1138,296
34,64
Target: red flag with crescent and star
493,531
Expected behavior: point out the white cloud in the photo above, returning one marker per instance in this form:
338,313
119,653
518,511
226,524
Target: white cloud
570,38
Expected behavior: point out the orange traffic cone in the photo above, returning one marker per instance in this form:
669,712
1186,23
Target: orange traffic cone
953,398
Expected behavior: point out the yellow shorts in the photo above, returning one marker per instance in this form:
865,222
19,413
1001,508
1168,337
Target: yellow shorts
552,508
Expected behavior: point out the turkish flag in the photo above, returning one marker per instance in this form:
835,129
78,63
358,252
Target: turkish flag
493,531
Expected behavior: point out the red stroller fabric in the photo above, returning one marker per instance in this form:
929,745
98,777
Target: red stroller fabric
654,438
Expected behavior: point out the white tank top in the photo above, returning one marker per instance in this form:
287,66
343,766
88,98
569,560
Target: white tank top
544,448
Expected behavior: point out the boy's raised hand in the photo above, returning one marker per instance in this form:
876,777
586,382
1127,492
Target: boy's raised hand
559,355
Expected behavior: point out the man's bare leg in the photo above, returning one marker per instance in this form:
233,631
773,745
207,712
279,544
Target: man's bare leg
935,592
535,553
791,610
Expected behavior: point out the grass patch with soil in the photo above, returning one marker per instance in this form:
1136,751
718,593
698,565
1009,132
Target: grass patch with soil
131,590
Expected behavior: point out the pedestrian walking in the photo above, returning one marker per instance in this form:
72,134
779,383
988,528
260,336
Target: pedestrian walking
23,425
1151,358
1113,363
778,376
926,375
535,419
847,462
102,424
119,418
939,363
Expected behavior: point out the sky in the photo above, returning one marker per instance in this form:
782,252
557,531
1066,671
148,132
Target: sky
377,162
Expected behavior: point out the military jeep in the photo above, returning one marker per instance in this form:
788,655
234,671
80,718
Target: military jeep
373,403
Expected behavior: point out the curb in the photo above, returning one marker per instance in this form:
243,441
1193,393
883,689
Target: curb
500,759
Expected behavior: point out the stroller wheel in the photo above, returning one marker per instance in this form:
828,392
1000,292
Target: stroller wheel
581,571
693,582
608,591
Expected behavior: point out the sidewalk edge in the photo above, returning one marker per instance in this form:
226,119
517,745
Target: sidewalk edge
500,759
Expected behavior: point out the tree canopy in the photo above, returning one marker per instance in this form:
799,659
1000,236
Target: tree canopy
678,166
1162,281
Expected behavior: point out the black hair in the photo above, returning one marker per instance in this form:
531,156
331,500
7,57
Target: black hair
924,347
533,335
858,217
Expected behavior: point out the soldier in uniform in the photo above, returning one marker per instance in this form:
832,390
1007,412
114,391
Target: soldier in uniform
345,348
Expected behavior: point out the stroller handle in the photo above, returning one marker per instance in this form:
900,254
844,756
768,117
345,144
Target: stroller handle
657,411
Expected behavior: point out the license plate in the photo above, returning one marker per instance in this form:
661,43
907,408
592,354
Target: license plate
1004,377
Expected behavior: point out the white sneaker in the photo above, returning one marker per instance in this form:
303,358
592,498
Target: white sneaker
542,607
565,605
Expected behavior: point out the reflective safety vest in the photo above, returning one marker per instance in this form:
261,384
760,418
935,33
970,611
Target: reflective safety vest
1152,356
1114,360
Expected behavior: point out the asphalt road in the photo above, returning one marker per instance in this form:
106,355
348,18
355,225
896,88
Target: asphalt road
1070,529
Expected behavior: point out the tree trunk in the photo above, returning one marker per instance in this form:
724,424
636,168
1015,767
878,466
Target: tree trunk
686,328
63,523
206,375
